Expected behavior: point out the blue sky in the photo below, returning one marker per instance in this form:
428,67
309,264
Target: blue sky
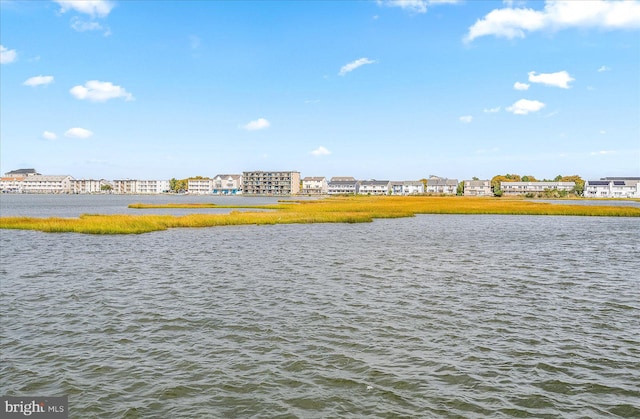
393,90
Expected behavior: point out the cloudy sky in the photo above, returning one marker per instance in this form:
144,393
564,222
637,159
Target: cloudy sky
372,89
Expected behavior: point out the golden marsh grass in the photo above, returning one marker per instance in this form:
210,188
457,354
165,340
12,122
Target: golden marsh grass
329,210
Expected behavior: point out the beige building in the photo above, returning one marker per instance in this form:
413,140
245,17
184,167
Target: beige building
437,185
270,183
47,184
477,188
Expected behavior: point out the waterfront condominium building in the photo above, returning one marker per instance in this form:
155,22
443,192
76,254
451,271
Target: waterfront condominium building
613,187
343,185
47,184
227,184
521,188
314,185
477,188
270,183
200,186
374,187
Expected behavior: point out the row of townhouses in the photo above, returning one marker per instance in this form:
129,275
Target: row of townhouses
285,183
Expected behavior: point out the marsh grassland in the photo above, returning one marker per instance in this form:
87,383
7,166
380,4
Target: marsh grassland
330,210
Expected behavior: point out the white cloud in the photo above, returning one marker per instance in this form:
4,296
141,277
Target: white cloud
80,25
559,79
47,135
258,124
7,55
520,86
78,133
347,68
100,91
415,6
525,106
321,151
466,119
602,152
603,132
492,110
557,14
38,81
93,8
603,69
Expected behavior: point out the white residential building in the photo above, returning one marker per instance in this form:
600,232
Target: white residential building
152,186
374,187
200,186
477,188
407,187
315,186
344,185
613,188
11,184
83,186
227,184
521,188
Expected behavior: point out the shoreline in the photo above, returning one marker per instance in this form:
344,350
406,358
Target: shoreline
356,209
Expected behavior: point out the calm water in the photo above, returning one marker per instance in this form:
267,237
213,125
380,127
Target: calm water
431,316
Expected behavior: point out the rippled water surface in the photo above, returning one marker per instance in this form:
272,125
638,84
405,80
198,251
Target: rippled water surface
431,316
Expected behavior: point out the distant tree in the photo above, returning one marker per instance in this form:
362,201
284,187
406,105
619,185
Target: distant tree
557,178
424,183
178,185
495,181
106,188
475,178
579,188
528,178
460,189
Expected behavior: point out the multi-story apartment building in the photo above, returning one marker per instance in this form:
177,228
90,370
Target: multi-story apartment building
201,186
343,185
227,184
271,183
407,187
82,186
125,186
315,186
140,186
477,188
47,184
437,185
374,187
613,187
11,184
521,188
144,186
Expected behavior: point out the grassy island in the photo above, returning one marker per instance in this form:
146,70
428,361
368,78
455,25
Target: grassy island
330,210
